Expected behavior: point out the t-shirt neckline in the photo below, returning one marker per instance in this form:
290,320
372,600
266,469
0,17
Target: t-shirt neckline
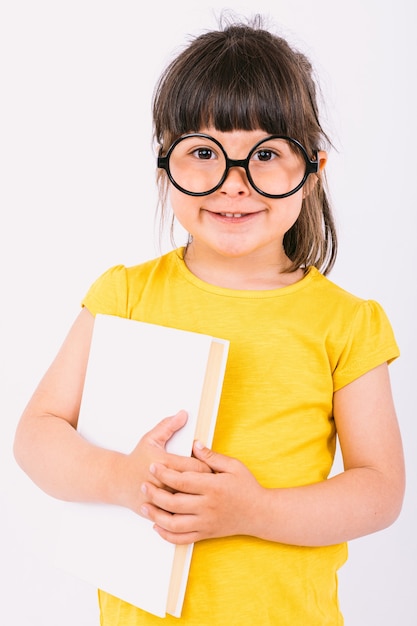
311,273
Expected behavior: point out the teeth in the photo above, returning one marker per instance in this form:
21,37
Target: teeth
232,214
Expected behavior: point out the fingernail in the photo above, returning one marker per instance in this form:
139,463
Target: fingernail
144,510
199,445
143,489
152,468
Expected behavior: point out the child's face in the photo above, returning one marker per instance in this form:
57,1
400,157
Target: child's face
235,220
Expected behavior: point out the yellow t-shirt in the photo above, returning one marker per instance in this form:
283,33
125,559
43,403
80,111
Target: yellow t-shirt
290,349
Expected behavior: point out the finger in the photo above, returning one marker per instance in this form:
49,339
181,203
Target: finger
174,528
184,482
216,461
186,464
172,502
165,429
177,538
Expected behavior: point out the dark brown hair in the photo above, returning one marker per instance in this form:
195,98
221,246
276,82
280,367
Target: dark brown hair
243,77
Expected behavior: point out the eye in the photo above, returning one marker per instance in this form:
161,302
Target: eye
204,154
264,155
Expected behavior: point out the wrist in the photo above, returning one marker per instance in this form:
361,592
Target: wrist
263,515
111,477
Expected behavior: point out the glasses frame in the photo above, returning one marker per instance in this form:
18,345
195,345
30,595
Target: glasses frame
312,165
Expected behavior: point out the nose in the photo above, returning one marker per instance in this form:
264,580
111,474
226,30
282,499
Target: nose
236,182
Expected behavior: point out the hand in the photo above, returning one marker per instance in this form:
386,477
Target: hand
195,506
151,449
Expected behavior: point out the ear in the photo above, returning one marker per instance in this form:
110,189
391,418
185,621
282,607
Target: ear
322,157
312,180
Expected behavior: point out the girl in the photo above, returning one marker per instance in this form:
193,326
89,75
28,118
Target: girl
241,155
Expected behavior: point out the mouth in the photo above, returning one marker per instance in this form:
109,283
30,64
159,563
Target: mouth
229,217
233,214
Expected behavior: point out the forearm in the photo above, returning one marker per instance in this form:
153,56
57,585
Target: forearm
363,499
65,465
355,503
230,501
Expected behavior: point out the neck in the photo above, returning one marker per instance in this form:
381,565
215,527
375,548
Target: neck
255,272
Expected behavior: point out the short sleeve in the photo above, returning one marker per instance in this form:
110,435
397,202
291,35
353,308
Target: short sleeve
108,294
370,342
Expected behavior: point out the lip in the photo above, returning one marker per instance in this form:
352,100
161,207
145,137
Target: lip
233,217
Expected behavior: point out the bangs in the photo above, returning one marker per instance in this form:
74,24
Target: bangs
227,107
233,83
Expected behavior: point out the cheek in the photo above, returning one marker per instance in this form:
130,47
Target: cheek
290,208
184,207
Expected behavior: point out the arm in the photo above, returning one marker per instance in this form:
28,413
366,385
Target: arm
50,450
364,498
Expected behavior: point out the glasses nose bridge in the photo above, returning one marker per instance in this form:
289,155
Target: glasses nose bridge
235,163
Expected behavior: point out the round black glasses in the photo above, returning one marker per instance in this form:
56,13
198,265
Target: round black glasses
276,167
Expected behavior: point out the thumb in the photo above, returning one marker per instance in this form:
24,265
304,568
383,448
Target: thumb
165,429
216,461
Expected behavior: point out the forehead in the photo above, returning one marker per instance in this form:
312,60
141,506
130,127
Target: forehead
235,141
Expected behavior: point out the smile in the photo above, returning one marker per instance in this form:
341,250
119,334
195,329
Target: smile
228,217
233,214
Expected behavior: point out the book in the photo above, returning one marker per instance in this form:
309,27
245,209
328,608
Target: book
137,374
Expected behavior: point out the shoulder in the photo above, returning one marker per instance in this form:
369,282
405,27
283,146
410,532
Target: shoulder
340,304
357,331
324,287
343,303
114,290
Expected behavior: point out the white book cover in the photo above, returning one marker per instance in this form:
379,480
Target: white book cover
137,374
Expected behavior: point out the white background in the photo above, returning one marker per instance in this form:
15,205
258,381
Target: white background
77,195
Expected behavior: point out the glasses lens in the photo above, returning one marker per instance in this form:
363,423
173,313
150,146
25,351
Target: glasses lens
197,164
277,166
